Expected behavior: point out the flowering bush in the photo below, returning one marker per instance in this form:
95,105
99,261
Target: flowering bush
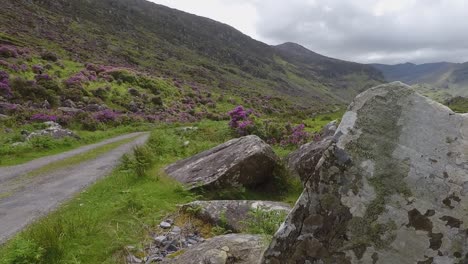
41,117
5,89
106,115
241,121
296,136
244,122
44,77
8,51
37,69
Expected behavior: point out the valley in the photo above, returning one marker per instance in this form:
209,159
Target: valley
131,132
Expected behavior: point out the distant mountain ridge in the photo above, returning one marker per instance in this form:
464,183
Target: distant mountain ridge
167,42
441,80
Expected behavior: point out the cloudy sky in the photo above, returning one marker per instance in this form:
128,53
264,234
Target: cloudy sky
387,31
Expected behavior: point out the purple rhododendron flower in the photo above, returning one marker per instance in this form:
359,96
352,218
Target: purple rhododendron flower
37,69
106,116
45,77
5,89
41,117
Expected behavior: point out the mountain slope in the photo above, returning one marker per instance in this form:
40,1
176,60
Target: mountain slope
441,80
171,43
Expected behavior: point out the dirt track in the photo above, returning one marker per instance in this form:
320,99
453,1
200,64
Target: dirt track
28,200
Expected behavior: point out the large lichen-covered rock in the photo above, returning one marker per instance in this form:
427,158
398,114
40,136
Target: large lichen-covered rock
227,249
246,161
392,188
301,163
233,214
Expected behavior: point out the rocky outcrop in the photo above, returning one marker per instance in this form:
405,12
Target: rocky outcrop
232,214
391,188
245,161
53,130
227,249
301,163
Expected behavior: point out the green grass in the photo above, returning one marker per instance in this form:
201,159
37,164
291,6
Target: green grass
45,146
121,209
89,155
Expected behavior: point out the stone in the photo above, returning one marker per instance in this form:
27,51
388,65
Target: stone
70,110
69,103
301,163
389,189
3,117
94,108
232,214
159,240
243,249
247,161
131,259
53,130
165,225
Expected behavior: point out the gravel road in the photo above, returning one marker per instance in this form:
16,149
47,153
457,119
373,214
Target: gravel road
43,193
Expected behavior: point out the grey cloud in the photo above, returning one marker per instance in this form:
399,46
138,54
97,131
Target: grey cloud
368,30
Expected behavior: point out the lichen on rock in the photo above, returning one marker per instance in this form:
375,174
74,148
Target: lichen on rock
390,189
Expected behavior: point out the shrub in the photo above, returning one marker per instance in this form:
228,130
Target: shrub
49,56
157,101
41,117
8,52
106,116
24,251
295,136
30,90
140,162
37,69
5,89
240,121
264,222
101,93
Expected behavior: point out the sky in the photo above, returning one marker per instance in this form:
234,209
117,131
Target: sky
366,31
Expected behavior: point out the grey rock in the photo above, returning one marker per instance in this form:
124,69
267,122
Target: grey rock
232,214
165,225
70,110
94,108
131,259
242,249
3,117
245,161
69,103
53,130
176,230
389,190
46,105
160,239
301,163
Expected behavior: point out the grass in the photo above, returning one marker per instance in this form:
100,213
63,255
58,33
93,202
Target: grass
121,209
45,146
89,155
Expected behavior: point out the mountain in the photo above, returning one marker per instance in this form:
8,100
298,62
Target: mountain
169,43
442,80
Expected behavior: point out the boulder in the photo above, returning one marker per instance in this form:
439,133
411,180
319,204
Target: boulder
245,161
232,214
301,163
53,130
227,249
392,188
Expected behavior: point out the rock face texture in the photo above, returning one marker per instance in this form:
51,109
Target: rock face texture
232,214
391,188
301,162
245,161
227,249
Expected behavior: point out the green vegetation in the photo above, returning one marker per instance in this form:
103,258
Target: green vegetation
264,222
121,209
89,155
45,146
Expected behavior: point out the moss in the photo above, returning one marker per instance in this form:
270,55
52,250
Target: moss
379,138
